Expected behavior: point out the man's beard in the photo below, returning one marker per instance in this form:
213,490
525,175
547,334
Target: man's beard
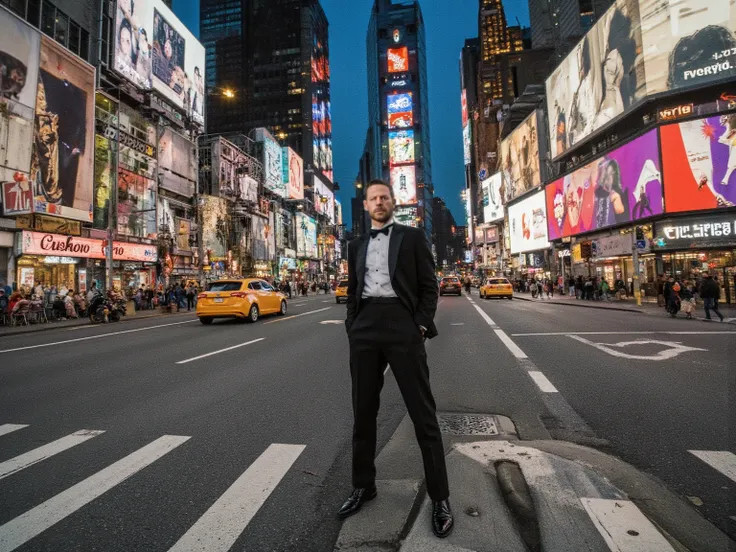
383,216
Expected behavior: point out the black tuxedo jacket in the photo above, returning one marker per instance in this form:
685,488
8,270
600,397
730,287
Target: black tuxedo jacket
412,270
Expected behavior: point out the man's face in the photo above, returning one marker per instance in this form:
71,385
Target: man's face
379,203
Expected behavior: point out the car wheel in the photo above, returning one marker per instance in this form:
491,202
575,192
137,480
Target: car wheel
205,320
510,298
253,313
283,309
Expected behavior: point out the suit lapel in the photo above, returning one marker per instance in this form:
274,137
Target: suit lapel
360,261
394,245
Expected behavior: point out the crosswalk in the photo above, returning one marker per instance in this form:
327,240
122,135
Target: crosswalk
215,531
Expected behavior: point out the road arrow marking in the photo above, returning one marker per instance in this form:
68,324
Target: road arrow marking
674,349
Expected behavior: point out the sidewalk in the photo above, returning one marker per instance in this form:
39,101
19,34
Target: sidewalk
627,305
84,321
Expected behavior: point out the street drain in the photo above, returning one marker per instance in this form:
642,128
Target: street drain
467,424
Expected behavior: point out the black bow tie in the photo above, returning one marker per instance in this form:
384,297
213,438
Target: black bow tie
385,230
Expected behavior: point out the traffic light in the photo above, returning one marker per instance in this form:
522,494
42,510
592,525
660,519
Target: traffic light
639,233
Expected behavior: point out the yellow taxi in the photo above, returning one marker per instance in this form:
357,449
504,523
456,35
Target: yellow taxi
246,299
341,292
496,287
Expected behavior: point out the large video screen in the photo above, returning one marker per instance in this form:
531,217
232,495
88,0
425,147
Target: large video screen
528,224
406,216
620,187
153,49
398,60
520,158
306,236
492,201
699,162
404,183
400,110
638,48
401,147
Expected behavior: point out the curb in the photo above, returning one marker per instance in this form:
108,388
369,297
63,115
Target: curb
622,309
126,319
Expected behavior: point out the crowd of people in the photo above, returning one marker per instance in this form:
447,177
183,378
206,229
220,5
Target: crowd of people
33,302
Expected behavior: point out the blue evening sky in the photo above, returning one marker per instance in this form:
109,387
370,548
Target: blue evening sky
448,24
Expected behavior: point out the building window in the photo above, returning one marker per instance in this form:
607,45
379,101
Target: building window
48,17
33,12
61,30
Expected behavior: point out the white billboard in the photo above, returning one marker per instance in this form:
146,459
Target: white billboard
492,198
528,224
324,200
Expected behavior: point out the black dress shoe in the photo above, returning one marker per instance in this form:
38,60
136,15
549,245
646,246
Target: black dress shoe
356,500
442,520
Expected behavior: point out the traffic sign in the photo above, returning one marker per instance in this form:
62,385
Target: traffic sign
482,174
641,244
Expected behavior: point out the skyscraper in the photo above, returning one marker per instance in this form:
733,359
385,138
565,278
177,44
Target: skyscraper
268,66
496,38
559,23
398,108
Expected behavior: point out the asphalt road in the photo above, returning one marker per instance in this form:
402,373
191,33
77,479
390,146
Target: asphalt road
248,448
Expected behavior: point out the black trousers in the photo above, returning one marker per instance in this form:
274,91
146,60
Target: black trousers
385,333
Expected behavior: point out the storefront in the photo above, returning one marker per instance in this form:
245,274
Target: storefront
73,262
689,246
6,257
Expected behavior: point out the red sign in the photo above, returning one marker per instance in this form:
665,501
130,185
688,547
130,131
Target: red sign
17,196
464,106
398,60
41,243
401,120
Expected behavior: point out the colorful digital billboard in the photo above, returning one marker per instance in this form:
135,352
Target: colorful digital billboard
528,224
698,164
400,110
622,186
406,216
272,162
306,236
467,145
398,59
401,147
324,200
293,173
520,158
404,184
492,189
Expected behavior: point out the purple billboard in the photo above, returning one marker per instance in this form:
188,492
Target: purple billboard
623,186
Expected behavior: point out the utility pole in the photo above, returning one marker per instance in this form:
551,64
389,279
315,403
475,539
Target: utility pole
635,258
112,202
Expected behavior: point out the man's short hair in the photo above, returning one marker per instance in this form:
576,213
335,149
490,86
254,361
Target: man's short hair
379,182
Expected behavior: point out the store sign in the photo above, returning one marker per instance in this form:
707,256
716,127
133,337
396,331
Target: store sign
40,243
53,259
57,225
398,83
695,232
492,234
612,246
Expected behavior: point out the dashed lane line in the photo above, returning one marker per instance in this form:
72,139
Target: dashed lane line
220,351
297,315
569,334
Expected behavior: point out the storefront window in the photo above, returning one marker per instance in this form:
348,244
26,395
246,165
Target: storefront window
59,272
691,265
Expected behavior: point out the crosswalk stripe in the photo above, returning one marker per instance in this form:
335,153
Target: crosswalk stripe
721,460
221,525
10,428
23,528
36,455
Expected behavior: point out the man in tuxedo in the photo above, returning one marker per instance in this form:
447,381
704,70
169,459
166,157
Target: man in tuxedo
392,299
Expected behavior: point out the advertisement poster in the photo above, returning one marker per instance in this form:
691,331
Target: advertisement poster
103,182
400,110
306,236
264,245
292,169
324,200
406,216
699,161
464,107
19,56
321,113
27,277
398,59
215,223
520,158
467,144
62,167
492,189
401,146
136,205
17,197
528,224
272,161
338,212
404,183
622,186
153,49
177,154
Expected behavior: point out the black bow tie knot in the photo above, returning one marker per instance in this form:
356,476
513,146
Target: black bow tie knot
385,230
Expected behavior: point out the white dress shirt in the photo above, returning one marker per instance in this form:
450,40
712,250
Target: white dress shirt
377,282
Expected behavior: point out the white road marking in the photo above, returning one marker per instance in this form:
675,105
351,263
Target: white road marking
23,528
542,382
721,460
457,324
95,336
617,333
297,315
624,527
327,301
10,428
221,525
325,322
510,345
221,351
674,349
36,455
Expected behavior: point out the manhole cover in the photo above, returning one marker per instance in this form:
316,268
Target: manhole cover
467,424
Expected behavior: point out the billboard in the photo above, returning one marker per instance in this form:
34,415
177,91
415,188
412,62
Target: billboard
177,154
306,236
404,184
400,110
103,182
272,163
16,195
638,48
398,59
136,205
19,55
264,245
324,206
401,146
699,160
292,173
41,243
528,224
620,187
62,165
214,227
492,190
464,107
406,216
153,49
520,158
467,139
338,212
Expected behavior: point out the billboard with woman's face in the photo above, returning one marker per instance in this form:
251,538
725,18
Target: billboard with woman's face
520,158
622,186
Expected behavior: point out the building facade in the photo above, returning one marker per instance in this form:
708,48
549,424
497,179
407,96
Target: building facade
558,24
398,109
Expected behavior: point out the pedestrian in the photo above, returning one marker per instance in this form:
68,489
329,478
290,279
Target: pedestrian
190,297
391,303
710,292
687,299
571,287
661,299
605,289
